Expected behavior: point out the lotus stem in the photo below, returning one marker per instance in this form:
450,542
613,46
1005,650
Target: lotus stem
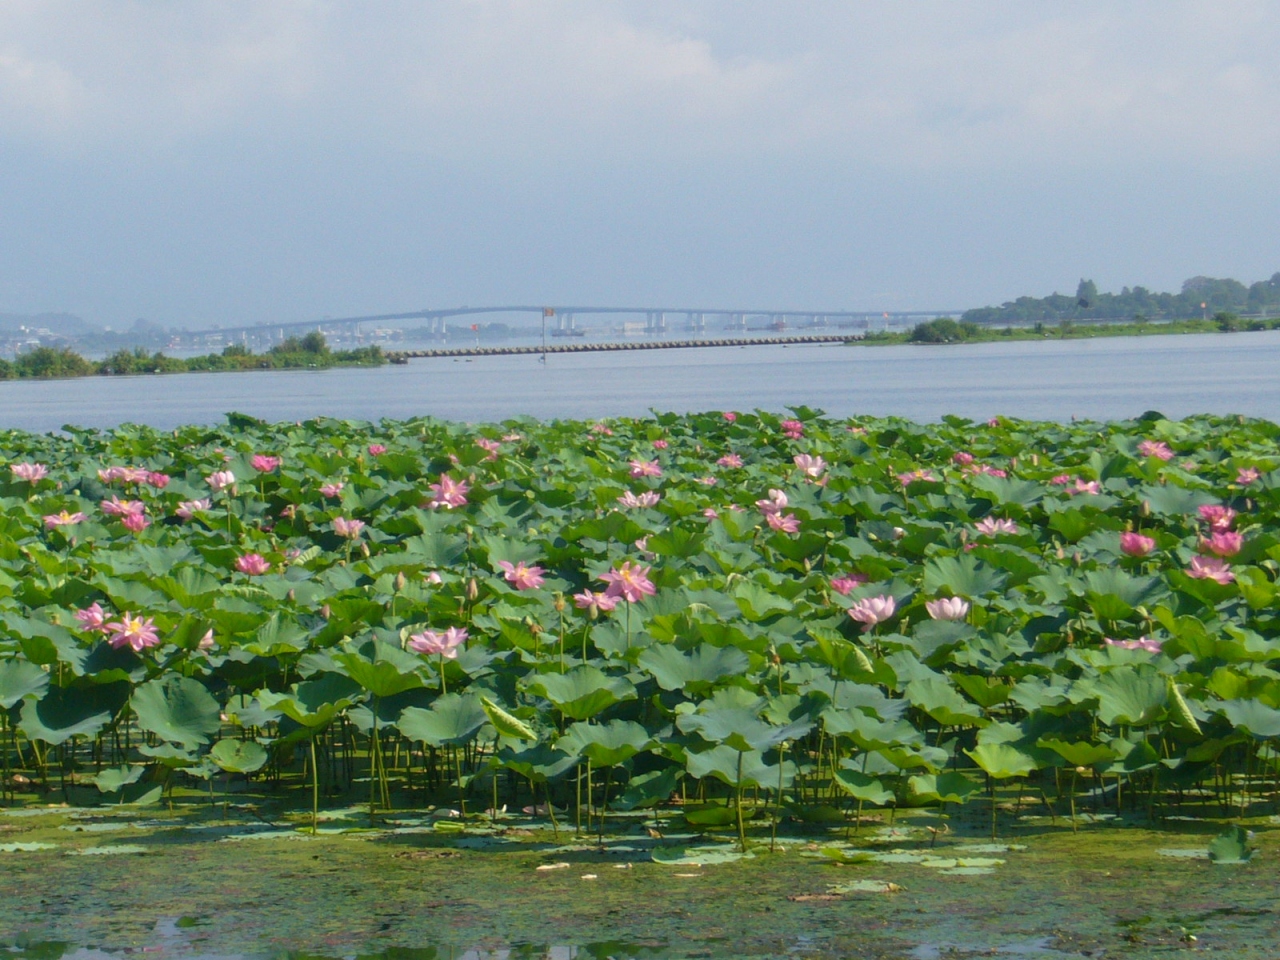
742,830
315,787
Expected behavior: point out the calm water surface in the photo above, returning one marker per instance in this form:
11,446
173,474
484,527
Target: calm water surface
1106,378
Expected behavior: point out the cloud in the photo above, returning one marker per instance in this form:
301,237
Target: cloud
927,84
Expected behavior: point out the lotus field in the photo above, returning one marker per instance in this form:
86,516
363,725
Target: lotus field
743,619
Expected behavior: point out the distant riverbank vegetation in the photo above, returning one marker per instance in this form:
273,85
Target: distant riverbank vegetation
948,330
1200,297
293,353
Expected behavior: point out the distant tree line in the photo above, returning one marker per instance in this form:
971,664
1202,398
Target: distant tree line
310,351
1200,296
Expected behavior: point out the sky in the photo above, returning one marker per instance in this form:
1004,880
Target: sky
240,161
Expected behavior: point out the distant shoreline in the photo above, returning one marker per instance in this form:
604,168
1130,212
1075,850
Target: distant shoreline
62,364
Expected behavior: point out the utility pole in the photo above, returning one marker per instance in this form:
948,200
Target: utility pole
546,312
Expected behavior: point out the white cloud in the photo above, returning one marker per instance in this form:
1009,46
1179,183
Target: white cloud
928,83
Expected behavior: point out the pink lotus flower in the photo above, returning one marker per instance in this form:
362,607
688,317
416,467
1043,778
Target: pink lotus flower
376,449
438,643
649,498
111,474
512,438
92,618
1217,516
205,643
962,457
660,444
729,460
1210,568
629,581
1149,644
793,429
1247,476
135,522
776,503
189,508
1223,543
594,603
711,514
782,522
993,422
1063,480
157,480
63,519
911,476
947,608
433,577
332,490
520,575
254,564
30,472
1135,544
810,466
133,632
1155,448
729,415
980,469
490,447
264,463
347,528
645,468
115,507
844,585
449,493
602,429
706,481
993,526
872,610
220,480
1088,486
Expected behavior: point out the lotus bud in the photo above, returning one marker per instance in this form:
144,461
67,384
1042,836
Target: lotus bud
1062,553
898,533
1076,558
400,581
325,611
1145,509
559,602
1035,459
468,530
292,595
364,549
473,589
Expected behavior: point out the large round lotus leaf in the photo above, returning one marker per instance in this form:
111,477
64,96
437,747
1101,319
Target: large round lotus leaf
738,768
608,744
64,713
694,671
20,679
1255,717
239,756
177,708
451,719
583,692
1003,760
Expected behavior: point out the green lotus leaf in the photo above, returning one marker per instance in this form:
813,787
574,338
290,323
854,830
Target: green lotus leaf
178,709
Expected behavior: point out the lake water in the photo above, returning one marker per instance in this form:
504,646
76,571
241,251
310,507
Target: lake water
1105,378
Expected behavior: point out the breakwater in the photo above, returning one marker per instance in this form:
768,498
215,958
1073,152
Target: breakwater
403,356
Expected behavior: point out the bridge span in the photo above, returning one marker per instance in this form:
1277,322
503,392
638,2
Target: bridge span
563,319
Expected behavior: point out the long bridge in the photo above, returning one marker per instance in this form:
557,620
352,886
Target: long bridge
564,319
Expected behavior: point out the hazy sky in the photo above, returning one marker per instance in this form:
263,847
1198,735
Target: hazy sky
219,161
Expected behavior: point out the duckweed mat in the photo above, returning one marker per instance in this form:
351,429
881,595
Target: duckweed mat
185,884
